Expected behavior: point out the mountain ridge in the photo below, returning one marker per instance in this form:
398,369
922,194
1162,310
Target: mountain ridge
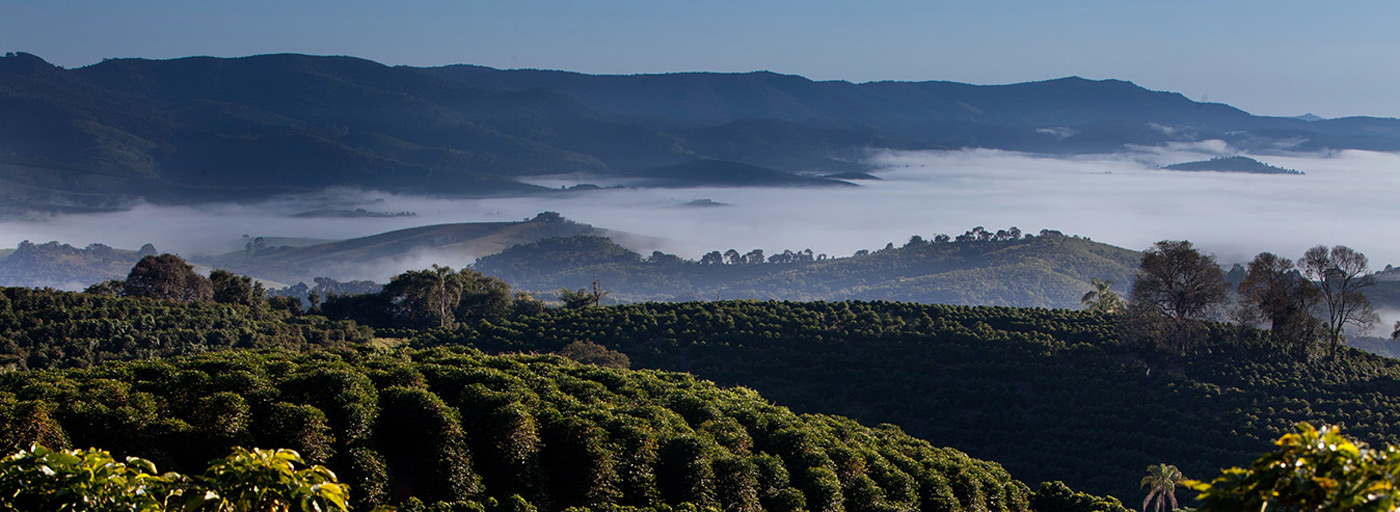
206,128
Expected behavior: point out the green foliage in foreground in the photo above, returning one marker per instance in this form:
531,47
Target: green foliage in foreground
48,328
490,432
1050,394
83,480
1312,469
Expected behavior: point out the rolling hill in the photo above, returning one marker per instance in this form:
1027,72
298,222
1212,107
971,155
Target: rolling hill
1231,164
200,128
1048,393
448,244
456,428
1052,270
64,267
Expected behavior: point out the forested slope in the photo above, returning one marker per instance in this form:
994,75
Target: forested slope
538,431
1051,270
1051,394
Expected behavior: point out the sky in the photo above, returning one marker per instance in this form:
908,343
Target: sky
1269,57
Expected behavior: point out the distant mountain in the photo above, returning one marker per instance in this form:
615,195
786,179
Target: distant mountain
202,128
1232,164
1051,270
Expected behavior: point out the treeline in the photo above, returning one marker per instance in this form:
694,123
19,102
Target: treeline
63,266
458,427
1051,394
1309,306
734,257
978,267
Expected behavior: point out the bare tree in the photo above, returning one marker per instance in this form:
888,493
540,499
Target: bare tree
1340,274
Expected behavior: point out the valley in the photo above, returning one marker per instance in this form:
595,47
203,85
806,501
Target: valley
458,287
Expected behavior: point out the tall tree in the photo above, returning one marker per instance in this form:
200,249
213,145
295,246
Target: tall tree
1176,287
1340,273
425,298
167,277
1279,293
482,296
231,288
1179,281
1161,482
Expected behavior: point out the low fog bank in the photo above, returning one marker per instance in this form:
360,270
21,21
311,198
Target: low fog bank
1345,198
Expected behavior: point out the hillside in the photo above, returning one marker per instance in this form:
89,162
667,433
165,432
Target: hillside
64,267
548,252
1038,271
204,129
354,258
1231,164
1050,394
446,426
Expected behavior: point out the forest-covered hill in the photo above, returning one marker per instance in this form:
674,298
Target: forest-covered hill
549,252
62,266
1232,164
354,258
443,426
287,260
202,128
1049,394
1050,270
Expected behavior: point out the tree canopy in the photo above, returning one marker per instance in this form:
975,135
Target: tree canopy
1277,291
1178,281
167,277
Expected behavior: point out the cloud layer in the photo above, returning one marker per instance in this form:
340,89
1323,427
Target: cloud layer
1345,198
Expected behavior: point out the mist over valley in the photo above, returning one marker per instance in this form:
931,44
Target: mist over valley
728,256
1121,199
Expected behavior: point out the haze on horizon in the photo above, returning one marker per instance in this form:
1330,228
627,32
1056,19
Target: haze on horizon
1282,57
1122,199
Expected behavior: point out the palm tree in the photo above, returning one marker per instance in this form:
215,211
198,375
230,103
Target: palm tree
1161,481
1102,298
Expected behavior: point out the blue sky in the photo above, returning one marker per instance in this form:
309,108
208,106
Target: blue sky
1278,57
